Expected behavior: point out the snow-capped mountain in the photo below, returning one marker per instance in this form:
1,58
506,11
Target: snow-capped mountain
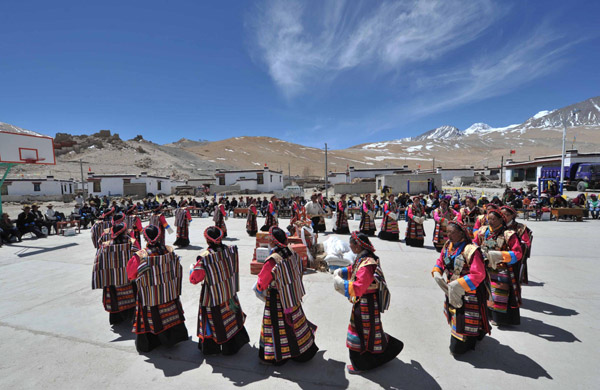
7,127
439,133
588,114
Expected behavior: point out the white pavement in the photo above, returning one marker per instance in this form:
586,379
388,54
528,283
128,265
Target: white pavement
55,332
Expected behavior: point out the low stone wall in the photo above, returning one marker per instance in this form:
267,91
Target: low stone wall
355,188
38,198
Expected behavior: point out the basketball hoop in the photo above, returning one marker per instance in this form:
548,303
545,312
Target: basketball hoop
32,160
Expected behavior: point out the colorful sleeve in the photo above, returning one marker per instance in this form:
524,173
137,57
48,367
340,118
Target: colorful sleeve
476,273
138,225
265,277
132,267
439,265
365,208
386,209
163,221
476,237
340,206
477,225
197,273
272,209
409,213
436,216
346,272
526,238
188,215
364,278
458,216
515,253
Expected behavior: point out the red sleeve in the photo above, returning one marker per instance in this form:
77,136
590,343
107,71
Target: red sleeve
458,216
515,247
265,277
477,224
138,225
163,221
222,208
188,216
410,212
132,267
198,274
526,238
364,278
476,274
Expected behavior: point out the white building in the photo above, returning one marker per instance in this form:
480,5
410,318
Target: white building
338,177
118,185
260,180
518,171
372,173
48,187
449,174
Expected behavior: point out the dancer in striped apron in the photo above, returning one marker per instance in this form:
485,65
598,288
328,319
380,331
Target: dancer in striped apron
502,253
271,219
220,215
389,224
285,333
461,263
110,273
183,218
341,222
251,223
158,219
363,283
525,237
101,227
367,220
469,214
134,223
415,234
159,316
220,317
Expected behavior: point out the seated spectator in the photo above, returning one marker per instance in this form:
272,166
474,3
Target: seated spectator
8,229
594,206
86,216
40,220
26,223
52,218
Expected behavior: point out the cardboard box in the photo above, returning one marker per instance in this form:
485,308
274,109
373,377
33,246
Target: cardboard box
261,254
255,267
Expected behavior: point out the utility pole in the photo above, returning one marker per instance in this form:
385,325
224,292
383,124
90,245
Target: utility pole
82,182
326,178
502,169
433,166
562,159
289,174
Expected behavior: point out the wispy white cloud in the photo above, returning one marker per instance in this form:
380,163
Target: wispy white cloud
300,46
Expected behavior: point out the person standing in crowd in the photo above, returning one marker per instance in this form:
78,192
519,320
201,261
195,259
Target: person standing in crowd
220,317
469,214
26,223
9,230
442,215
271,214
133,222
110,274
389,224
183,218
296,211
482,220
315,212
251,220
157,271
341,221
285,333
158,219
79,200
220,215
460,273
363,283
525,236
415,233
367,220
502,252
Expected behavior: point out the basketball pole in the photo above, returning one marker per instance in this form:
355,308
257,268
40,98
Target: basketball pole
8,166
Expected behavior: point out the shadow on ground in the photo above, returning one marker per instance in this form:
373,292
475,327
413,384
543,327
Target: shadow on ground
490,354
541,329
175,360
546,308
397,374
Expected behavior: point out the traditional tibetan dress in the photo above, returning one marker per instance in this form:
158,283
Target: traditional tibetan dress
97,232
526,238
159,315
469,218
415,234
296,209
134,223
365,287
285,332
469,322
341,222
367,220
441,217
271,219
479,223
251,223
182,222
506,289
159,220
389,226
110,274
219,218
220,316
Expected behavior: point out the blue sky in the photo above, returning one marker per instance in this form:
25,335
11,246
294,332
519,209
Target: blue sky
341,72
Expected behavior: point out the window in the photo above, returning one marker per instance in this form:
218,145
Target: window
259,178
36,187
70,188
271,177
221,180
280,179
159,185
4,189
97,187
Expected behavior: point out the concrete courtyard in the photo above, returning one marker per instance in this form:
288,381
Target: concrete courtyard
55,332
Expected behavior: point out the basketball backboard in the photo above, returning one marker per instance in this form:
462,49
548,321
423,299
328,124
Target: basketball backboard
26,149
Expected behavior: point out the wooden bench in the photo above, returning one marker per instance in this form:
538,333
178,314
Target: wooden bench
240,212
62,225
567,212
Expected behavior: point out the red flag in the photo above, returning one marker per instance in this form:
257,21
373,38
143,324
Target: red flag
89,169
513,151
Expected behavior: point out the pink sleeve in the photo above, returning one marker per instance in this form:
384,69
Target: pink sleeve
458,216
138,225
526,238
132,267
265,276
365,208
364,278
386,209
197,275
436,216
476,239
476,274
409,212
515,247
477,224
